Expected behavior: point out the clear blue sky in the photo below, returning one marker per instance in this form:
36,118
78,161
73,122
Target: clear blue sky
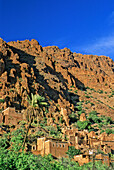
84,26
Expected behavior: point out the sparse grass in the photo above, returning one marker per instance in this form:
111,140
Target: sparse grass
76,91
87,96
100,91
2,100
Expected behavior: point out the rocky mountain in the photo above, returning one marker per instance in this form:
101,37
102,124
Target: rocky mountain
61,76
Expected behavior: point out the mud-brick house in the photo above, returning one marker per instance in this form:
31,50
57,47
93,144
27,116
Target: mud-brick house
47,146
85,158
10,117
82,159
107,142
104,158
76,138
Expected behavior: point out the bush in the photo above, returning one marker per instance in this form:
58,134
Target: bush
109,131
73,151
79,108
73,118
83,125
87,97
2,100
14,159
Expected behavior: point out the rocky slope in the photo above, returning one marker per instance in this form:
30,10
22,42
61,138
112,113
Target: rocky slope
62,77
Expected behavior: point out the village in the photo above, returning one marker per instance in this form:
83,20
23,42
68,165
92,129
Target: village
90,144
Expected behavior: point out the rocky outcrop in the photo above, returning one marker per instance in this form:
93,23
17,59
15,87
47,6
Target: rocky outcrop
26,66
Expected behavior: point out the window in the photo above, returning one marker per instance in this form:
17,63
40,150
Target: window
84,156
63,145
60,145
53,144
34,147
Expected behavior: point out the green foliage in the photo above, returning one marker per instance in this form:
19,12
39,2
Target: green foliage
17,138
73,118
109,131
54,132
39,133
92,104
76,91
93,118
80,112
102,131
43,122
2,100
83,125
87,96
72,86
100,91
12,158
61,119
107,120
73,151
93,89
36,100
87,101
79,107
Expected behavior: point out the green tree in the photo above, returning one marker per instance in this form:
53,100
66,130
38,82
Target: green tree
83,125
72,151
36,103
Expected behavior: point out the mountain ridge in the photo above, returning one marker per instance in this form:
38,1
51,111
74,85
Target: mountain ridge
59,75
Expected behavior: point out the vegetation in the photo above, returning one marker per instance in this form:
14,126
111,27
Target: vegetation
72,152
84,125
109,131
13,158
35,105
2,100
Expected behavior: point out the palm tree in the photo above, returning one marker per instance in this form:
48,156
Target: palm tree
36,103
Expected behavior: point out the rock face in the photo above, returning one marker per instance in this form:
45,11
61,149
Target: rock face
27,67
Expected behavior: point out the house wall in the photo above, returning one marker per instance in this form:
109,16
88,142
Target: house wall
58,149
81,160
47,147
103,158
1,118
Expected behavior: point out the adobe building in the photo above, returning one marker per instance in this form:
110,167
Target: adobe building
10,117
85,158
76,138
104,158
82,159
47,146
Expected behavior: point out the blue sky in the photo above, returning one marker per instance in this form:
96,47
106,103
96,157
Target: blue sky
84,26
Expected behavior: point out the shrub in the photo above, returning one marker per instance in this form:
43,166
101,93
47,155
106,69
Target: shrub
76,91
87,97
101,131
73,118
83,125
100,91
72,151
109,131
2,100
79,108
